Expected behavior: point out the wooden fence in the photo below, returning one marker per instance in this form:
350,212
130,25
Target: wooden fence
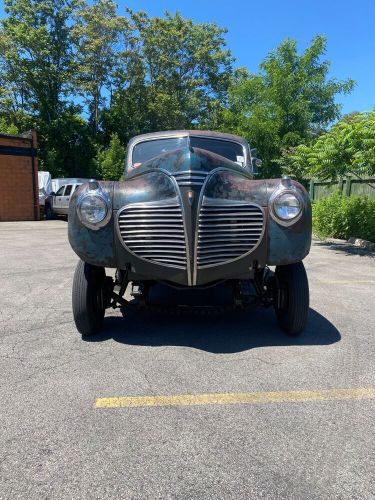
349,186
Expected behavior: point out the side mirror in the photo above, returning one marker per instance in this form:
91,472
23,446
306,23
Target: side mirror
52,193
255,162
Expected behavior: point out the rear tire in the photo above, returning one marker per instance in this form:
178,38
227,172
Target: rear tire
293,308
87,298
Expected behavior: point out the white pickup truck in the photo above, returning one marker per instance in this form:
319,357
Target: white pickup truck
58,203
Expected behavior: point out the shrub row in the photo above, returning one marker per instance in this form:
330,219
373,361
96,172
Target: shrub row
340,216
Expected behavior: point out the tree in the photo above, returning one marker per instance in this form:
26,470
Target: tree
348,149
6,128
71,152
62,61
290,101
97,32
111,161
39,50
175,76
37,67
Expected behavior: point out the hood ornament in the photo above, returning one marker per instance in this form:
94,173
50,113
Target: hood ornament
190,195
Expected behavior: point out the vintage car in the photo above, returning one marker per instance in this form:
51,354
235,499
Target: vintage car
190,218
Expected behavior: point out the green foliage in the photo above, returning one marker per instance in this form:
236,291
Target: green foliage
38,63
6,128
178,71
38,51
78,73
340,216
347,149
111,160
75,151
288,103
96,32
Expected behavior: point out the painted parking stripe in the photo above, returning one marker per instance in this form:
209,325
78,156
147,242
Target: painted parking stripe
347,282
235,398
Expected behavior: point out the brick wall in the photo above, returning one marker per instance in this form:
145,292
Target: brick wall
19,199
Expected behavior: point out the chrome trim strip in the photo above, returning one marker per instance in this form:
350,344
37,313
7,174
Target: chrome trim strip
190,183
188,261
188,172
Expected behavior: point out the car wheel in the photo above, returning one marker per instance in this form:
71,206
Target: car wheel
292,307
87,298
49,213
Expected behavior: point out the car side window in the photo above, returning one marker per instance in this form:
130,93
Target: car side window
60,191
77,186
68,190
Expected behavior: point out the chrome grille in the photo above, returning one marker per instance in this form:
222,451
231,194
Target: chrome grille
227,230
190,178
155,232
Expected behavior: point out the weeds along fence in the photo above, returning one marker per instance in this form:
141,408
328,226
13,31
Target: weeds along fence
348,186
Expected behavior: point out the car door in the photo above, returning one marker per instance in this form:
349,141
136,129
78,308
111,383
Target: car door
57,200
66,198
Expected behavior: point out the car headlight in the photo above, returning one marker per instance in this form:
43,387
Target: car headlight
93,209
286,206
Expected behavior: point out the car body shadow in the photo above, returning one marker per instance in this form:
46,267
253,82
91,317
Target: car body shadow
225,333
345,248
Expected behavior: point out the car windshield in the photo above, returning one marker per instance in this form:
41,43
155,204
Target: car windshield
147,150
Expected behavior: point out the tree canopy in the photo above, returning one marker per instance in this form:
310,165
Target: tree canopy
291,101
111,160
347,149
88,78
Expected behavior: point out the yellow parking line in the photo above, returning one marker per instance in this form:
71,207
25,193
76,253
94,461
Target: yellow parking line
235,398
347,282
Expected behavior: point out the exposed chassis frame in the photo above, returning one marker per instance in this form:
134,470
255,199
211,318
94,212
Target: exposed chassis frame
267,294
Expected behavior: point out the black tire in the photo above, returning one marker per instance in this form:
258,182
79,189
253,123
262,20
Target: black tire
293,310
87,298
49,212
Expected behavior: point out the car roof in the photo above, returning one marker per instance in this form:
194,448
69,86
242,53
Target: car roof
194,133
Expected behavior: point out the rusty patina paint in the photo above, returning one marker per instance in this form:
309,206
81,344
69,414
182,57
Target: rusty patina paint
292,243
289,244
154,181
95,247
151,186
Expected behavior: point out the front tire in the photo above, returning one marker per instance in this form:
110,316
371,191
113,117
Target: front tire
292,308
87,298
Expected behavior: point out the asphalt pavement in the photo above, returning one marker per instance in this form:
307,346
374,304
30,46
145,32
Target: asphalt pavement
57,441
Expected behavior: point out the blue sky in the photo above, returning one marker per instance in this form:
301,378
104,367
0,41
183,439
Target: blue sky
256,27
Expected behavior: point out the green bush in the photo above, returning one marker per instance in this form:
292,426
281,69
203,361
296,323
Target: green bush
340,216
111,161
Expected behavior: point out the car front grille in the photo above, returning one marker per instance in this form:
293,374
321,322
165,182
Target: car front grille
227,230
190,178
155,232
